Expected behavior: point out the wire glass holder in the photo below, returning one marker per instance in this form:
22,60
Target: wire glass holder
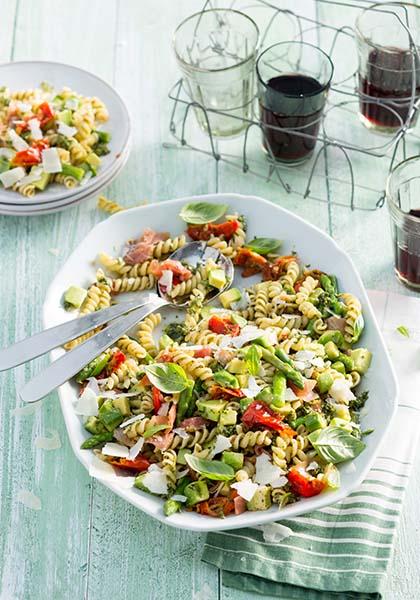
268,168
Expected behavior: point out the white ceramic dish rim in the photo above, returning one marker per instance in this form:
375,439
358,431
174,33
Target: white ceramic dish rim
122,106
192,521
58,205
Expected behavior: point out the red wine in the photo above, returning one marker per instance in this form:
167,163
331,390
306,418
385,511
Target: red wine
389,77
407,255
291,102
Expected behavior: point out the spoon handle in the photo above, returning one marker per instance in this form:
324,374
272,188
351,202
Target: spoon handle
72,362
46,340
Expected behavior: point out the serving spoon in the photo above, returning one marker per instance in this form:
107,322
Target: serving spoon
61,370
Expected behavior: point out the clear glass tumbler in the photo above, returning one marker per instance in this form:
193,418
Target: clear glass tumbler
388,41
216,52
293,79
403,201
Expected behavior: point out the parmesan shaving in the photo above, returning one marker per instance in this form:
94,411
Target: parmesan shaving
136,449
113,449
35,128
12,176
222,443
132,420
273,533
18,142
48,443
51,161
265,471
246,489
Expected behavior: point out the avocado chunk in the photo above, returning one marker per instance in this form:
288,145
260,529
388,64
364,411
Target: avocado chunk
65,116
123,405
171,507
165,341
332,335
233,459
331,350
238,320
339,366
362,359
342,423
42,182
94,426
217,278
180,459
324,382
226,379
237,366
211,409
195,492
110,416
228,417
314,421
261,500
74,297
229,297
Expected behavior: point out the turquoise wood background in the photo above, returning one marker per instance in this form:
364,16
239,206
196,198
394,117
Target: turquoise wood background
85,542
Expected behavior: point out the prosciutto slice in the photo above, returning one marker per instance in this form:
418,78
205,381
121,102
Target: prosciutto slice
142,250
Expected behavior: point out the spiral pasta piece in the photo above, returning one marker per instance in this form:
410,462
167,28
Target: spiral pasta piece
169,468
354,311
145,332
108,206
131,347
133,284
250,439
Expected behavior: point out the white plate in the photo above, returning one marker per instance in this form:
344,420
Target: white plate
29,74
52,207
314,247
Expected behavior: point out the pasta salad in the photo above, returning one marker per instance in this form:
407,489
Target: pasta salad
50,136
245,403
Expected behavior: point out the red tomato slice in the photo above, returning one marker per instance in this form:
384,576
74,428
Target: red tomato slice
304,484
157,398
116,361
203,352
27,158
259,413
218,391
204,232
140,463
223,325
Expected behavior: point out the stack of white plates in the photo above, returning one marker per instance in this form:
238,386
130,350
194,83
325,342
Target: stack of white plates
29,75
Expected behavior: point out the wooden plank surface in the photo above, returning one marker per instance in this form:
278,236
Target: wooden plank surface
85,542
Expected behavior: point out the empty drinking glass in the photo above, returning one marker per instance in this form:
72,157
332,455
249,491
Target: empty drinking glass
216,51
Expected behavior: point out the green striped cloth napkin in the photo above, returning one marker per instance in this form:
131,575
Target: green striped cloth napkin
340,551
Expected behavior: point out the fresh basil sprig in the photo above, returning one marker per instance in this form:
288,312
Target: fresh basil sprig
154,429
167,377
336,445
212,469
264,245
200,213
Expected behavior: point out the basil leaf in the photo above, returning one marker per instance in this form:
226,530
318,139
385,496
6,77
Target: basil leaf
212,469
154,429
167,377
252,360
336,445
200,213
359,326
264,245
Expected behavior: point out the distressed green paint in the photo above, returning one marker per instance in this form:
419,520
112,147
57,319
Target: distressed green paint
87,542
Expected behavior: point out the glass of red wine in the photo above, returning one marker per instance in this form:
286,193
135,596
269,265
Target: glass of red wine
388,40
403,199
293,81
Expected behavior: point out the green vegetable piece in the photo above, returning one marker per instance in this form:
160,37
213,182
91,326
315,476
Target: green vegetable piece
237,366
93,368
252,360
314,421
97,440
279,390
324,382
104,137
176,331
264,245
332,335
343,423
361,359
94,426
167,377
217,278
228,417
266,395
229,297
171,507
101,149
287,370
165,341
73,171
261,500
211,469
181,456
347,361
233,459
4,164
139,483
226,379
211,409
238,320
110,416
74,297
332,351
331,477
329,284
339,366
342,412
200,213
186,402
150,431
358,329
264,343
403,330
123,405
65,116
245,402
281,354
42,182
336,445
196,492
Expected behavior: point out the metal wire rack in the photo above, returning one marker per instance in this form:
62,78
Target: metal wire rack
349,159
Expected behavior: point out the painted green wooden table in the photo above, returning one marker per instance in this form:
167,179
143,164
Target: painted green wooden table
85,542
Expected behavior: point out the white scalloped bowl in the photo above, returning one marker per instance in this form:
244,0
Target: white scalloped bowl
314,247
